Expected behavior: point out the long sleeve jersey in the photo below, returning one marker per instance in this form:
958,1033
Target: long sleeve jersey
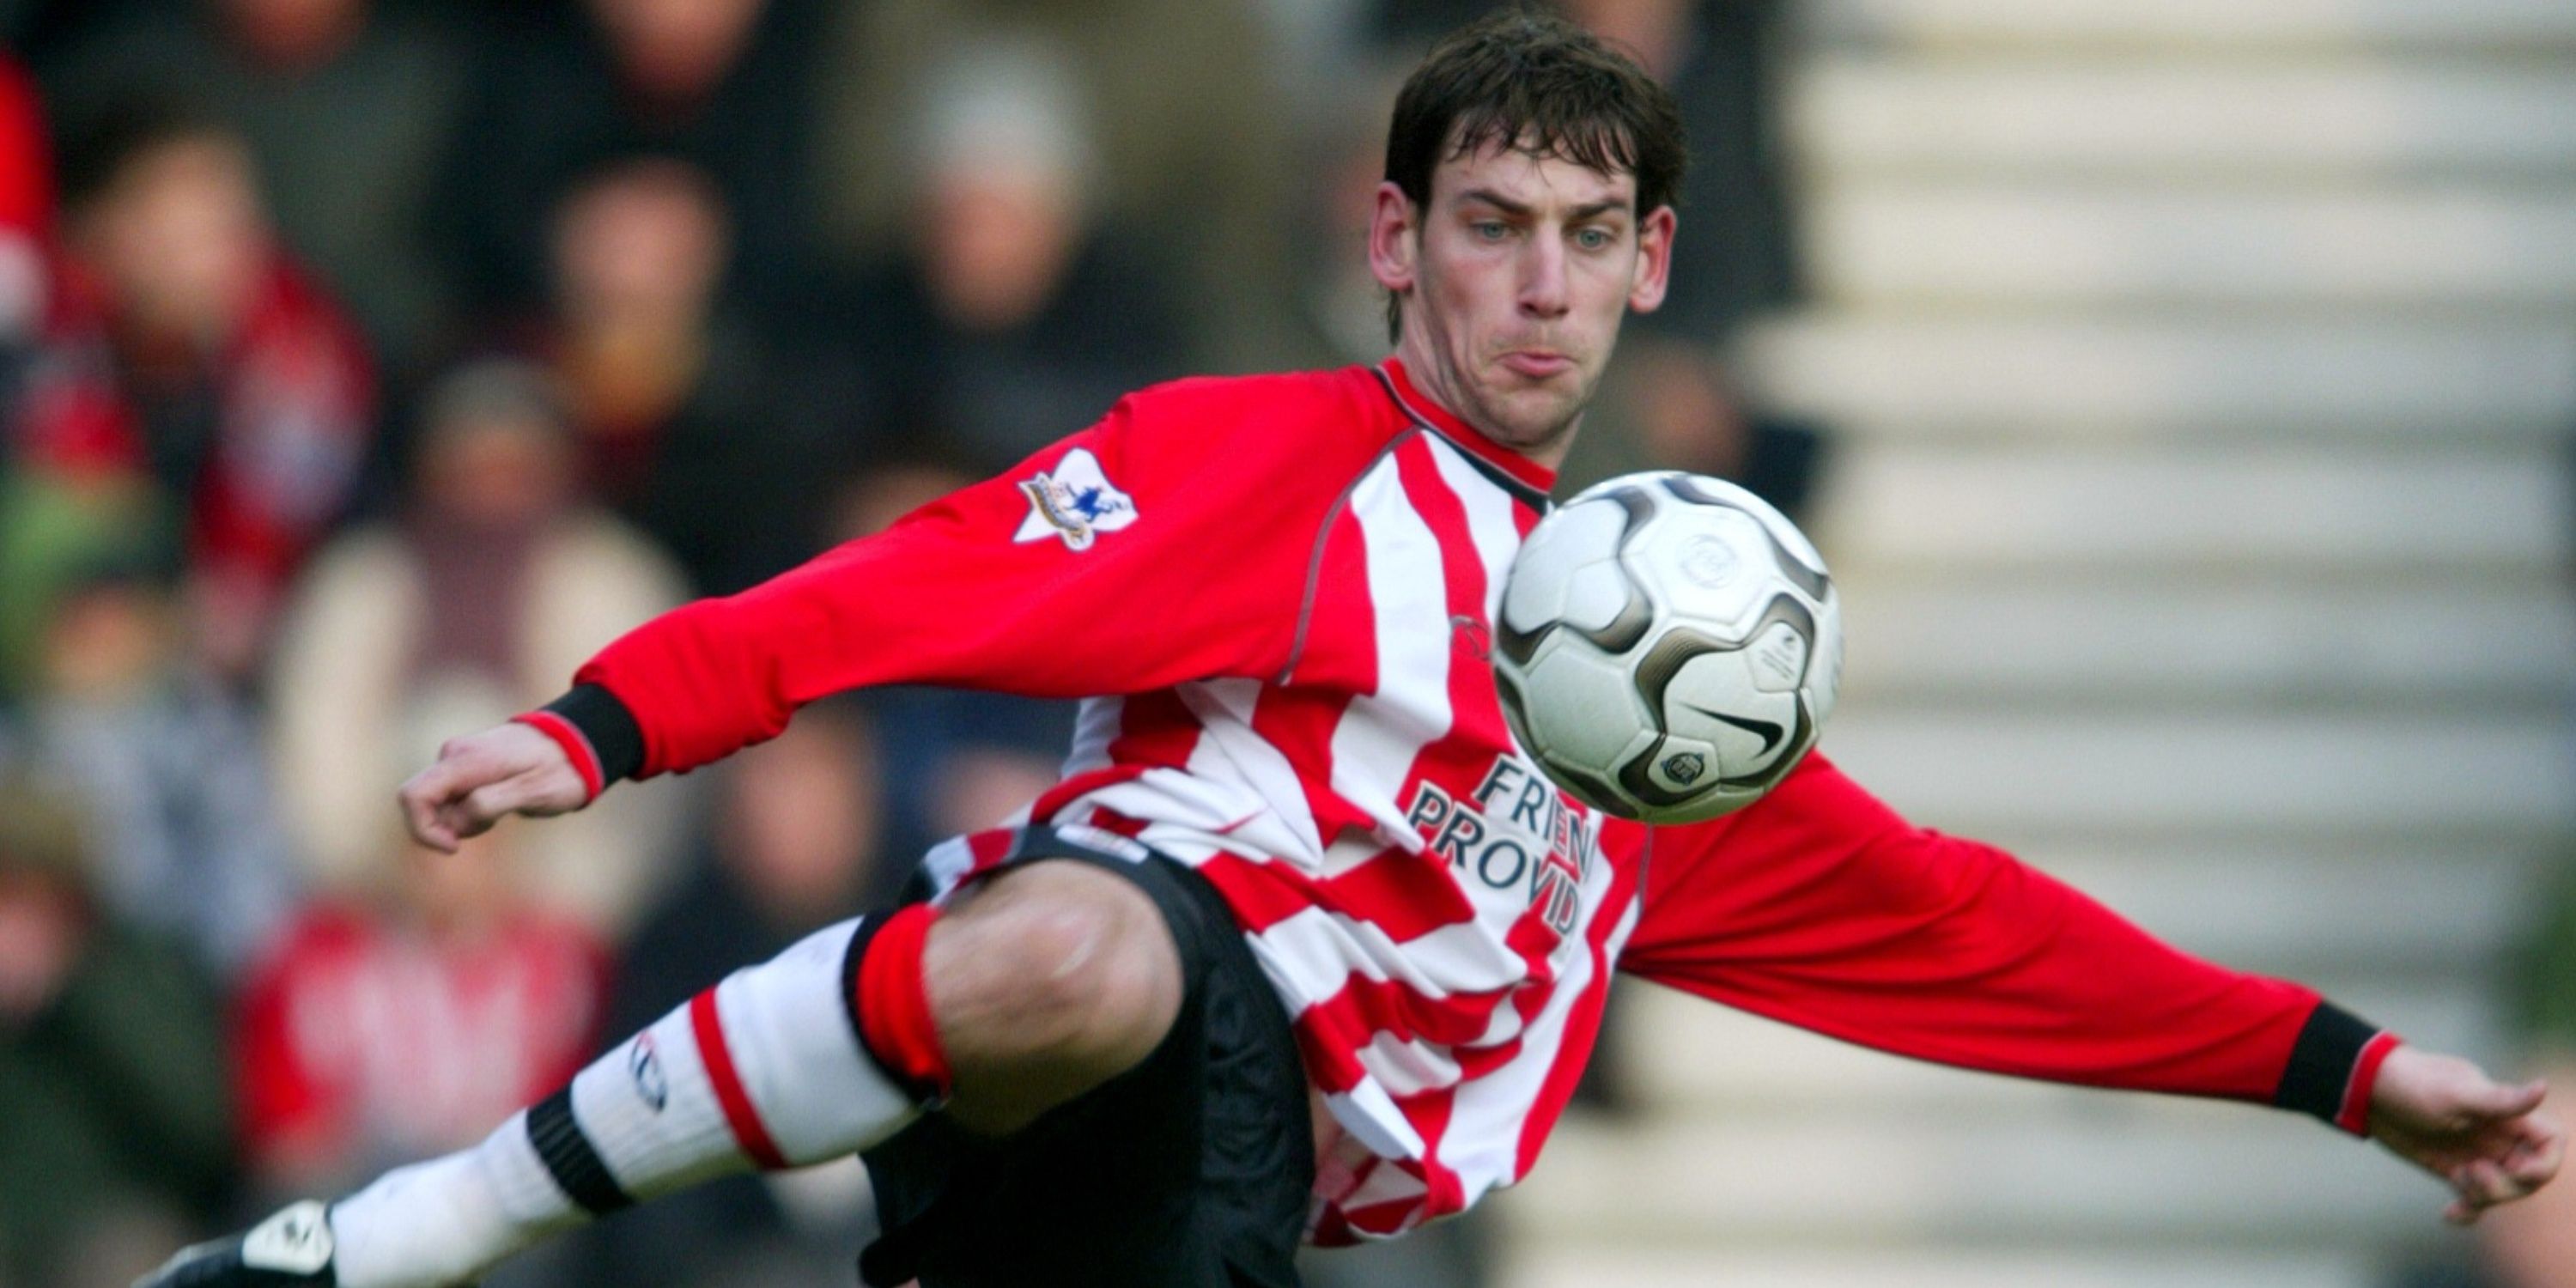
1275,596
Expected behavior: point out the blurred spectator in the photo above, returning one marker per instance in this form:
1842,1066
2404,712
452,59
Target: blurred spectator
346,105
410,1021
494,583
117,1138
1341,310
688,420
166,762
971,759
1014,317
194,354
53,532
1667,404
1186,117
797,844
1736,255
721,84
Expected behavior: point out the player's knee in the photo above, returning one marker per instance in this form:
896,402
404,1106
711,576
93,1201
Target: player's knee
1095,980
1059,965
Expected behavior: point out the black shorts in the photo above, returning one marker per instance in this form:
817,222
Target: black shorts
1191,1170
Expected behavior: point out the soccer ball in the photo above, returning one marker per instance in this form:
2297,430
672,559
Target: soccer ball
1669,645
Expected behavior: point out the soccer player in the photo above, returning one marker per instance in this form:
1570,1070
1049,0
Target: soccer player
1301,947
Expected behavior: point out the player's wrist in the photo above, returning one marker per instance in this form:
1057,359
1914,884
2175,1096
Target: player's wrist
576,749
2333,1068
596,732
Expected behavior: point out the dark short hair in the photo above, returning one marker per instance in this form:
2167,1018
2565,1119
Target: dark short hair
1525,78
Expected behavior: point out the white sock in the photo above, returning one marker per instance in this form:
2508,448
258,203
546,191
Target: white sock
780,1080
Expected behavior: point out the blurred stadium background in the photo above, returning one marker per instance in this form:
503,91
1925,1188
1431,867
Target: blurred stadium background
2182,390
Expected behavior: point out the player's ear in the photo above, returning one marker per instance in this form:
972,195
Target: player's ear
1654,260
1395,240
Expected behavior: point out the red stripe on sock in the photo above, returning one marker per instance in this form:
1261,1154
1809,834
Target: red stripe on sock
894,1005
730,1096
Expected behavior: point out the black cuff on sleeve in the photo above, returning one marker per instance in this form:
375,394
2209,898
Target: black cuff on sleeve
614,736
2322,1060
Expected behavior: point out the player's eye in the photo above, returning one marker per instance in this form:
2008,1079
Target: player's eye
1492,230
1593,238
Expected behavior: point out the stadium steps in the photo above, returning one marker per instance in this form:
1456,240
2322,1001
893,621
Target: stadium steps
1879,1268
2335,375
2339,772
2508,30
2203,373
2008,639
2089,1170
2424,504
2329,115
2084,242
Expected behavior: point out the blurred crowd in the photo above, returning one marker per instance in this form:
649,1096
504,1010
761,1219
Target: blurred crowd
366,364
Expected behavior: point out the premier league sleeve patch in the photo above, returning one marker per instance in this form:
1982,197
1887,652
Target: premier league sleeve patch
1074,501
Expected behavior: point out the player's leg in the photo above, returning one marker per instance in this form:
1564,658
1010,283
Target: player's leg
1191,1169
1047,980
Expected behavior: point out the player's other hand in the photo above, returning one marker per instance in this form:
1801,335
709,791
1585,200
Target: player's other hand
2490,1141
506,769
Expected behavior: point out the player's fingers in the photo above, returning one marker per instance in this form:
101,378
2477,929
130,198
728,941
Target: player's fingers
2541,1152
424,798
461,823
2497,1100
2484,1184
492,802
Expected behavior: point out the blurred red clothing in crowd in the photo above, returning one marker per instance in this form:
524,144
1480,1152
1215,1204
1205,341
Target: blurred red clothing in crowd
294,398
26,175
366,1040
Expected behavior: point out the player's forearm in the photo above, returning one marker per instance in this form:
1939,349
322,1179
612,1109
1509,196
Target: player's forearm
2011,971
1821,907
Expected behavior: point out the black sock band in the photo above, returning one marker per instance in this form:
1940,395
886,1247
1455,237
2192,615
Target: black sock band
570,1158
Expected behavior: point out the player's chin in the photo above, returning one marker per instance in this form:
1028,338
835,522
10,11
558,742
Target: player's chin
1540,410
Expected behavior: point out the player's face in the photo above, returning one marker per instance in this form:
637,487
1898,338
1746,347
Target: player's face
1514,278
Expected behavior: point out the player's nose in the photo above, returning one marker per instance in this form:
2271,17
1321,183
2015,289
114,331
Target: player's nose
1543,289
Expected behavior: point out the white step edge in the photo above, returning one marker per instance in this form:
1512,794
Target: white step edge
2073,373
2061,243
2050,114
2015,773
2137,1168
2308,24
2257,506
1575,1262
2231,643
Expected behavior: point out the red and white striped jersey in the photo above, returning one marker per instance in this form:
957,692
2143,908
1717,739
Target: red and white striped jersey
1275,594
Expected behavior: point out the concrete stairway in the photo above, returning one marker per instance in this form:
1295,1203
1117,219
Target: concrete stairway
2205,370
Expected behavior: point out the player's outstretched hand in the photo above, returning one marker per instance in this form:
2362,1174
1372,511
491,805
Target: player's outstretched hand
2488,1140
506,769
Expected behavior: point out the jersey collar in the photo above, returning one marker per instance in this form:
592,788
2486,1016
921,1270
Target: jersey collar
1525,474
